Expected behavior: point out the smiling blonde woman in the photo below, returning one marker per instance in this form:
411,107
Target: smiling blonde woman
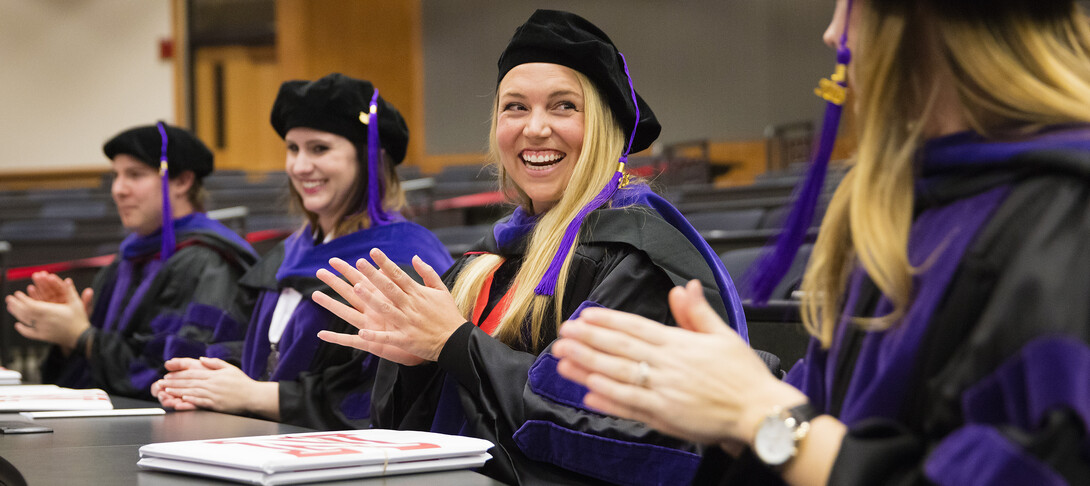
476,361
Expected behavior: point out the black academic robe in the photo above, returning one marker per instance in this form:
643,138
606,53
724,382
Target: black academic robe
627,259
321,385
315,378
990,384
185,311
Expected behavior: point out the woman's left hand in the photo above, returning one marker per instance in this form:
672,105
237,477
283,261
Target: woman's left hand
701,382
399,318
218,385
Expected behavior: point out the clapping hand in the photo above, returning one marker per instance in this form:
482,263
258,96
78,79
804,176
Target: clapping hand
642,370
398,319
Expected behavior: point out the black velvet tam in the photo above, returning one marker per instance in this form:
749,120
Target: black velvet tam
184,150
563,38
334,104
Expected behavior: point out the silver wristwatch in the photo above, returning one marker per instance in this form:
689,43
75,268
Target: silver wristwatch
778,435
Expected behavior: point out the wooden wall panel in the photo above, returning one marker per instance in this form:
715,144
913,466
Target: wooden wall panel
250,80
180,38
377,40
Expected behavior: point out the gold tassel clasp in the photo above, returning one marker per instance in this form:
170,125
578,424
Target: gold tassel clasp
829,88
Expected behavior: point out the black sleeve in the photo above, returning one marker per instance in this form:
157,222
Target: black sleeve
538,414
335,397
1002,373
336,393
405,397
186,309
72,370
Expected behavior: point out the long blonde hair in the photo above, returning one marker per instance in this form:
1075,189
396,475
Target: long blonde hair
1012,72
603,143
348,222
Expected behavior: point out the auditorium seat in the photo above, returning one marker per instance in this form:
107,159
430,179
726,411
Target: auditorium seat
777,328
465,173
38,229
273,221
77,209
460,180
408,172
739,261
733,220
459,239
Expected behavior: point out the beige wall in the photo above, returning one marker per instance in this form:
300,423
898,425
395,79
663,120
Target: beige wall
75,72
88,68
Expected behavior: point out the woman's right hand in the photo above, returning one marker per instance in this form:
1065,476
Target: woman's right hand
355,314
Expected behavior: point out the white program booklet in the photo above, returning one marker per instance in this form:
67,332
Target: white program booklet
33,398
317,456
10,377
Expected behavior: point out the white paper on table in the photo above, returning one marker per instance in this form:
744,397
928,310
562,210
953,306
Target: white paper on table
33,398
313,475
291,458
10,377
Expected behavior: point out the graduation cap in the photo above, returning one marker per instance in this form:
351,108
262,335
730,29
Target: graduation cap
353,109
167,148
563,38
557,37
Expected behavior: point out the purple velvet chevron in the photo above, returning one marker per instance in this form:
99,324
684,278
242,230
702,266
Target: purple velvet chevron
357,405
178,347
220,351
223,326
616,461
1049,373
545,381
141,376
980,455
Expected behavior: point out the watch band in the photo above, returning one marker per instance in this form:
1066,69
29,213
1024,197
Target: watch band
82,342
803,413
777,438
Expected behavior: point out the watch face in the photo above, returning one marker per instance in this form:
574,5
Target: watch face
775,441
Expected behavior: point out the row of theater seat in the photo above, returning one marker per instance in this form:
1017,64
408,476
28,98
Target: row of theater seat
458,204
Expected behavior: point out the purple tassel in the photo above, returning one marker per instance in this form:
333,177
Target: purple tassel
167,233
547,285
774,262
376,189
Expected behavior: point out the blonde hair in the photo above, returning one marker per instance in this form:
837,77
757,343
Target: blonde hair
393,201
603,143
1012,73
